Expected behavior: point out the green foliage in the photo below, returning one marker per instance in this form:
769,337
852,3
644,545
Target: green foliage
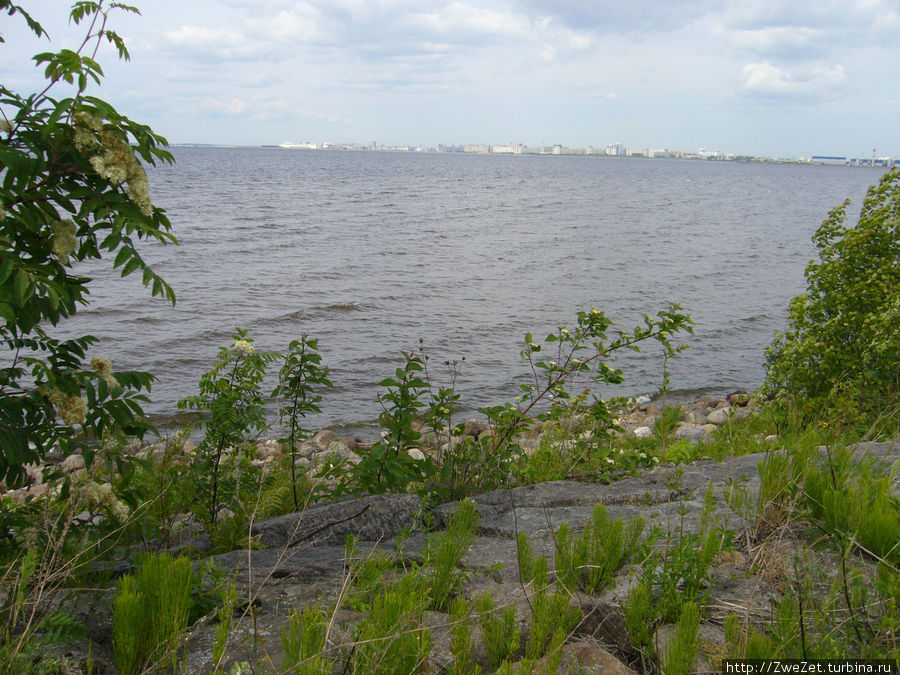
500,632
388,466
684,645
303,643
639,612
551,616
526,558
150,614
368,578
470,466
301,373
73,188
223,628
444,553
590,561
681,572
392,638
580,356
855,501
461,640
232,400
840,351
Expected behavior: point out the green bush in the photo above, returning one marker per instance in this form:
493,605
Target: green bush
841,350
73,188
150,614
591,560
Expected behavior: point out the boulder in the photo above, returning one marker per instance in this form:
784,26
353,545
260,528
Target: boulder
719,416
268,450
324,438
693,417
342,451
72,463
372,518
588,657
643,432
692,433
474,427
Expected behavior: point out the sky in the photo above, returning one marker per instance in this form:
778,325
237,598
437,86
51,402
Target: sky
775,78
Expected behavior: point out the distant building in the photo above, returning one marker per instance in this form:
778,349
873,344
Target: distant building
507,149
829,161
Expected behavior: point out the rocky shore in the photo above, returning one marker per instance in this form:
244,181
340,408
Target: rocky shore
299,559
302,561
697,421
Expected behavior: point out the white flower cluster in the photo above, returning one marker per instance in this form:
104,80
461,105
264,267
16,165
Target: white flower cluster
101,494
71,409
243,346
64,241
112,157
103,368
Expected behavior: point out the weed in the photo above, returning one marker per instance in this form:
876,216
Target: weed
499,631
150,614
445,552
590,561
684,645
303,643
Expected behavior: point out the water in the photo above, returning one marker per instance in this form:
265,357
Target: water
370,252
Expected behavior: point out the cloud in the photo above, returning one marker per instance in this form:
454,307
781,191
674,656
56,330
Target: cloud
810,83
785,40
614,16
458,21
215,44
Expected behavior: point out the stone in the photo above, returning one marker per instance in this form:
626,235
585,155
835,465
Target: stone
352,443
587,657
643,432
738,398
72,463
39,489
416,454
719,416
709,428
324,438
692,433
268,450
342,451
693,417
35,473
705,402
474,427
372,518
307,449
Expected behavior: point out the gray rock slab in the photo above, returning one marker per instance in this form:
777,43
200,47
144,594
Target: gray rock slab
372,518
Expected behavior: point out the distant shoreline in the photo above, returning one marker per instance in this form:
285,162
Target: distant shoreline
815,160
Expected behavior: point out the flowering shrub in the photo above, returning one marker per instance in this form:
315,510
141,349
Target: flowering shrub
840,352
234,405
73,188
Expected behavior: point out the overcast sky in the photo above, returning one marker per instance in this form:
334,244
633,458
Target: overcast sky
765,77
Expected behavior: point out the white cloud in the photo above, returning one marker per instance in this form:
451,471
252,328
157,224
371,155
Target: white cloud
460,21
215,44
774,39
821,81
230,107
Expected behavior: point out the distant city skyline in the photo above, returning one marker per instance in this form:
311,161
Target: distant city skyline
768,78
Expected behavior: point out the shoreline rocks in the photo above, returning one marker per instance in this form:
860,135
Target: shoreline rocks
697,421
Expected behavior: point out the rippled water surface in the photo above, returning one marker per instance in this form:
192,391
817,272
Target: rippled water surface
371,251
